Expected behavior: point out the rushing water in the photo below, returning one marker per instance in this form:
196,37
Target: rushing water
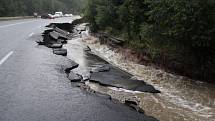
182,99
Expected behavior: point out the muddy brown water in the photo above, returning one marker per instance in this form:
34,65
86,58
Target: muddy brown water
181,99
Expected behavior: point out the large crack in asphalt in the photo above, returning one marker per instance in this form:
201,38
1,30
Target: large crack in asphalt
104,74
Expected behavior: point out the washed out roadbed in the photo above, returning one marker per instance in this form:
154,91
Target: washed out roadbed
96,72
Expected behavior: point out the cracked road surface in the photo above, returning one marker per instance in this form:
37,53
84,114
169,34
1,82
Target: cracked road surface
33,86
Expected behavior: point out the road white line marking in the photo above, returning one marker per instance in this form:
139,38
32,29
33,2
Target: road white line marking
15,24
30,34
5,58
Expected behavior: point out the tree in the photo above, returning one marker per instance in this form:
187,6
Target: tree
179,34
90,13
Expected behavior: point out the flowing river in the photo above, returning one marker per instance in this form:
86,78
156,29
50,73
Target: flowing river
181,99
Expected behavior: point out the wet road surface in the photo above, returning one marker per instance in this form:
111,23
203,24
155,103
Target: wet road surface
34,87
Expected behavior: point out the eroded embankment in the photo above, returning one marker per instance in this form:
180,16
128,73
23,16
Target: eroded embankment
181,98
88,70
94,64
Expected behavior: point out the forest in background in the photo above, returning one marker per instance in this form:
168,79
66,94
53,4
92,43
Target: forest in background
178,35
10,8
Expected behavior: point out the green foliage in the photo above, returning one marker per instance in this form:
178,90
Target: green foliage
179,33
90,13
188,27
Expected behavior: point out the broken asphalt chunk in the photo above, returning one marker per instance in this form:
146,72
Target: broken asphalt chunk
40,42
100,68
54,35
117,78
61,31
146,88
62,52
73,66
74,77
63,26
63,41
56,46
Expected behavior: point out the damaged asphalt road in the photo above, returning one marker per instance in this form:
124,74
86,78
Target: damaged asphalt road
34,86
105,74
97,70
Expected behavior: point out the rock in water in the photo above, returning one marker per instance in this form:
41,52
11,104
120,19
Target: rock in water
62,52
74,77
